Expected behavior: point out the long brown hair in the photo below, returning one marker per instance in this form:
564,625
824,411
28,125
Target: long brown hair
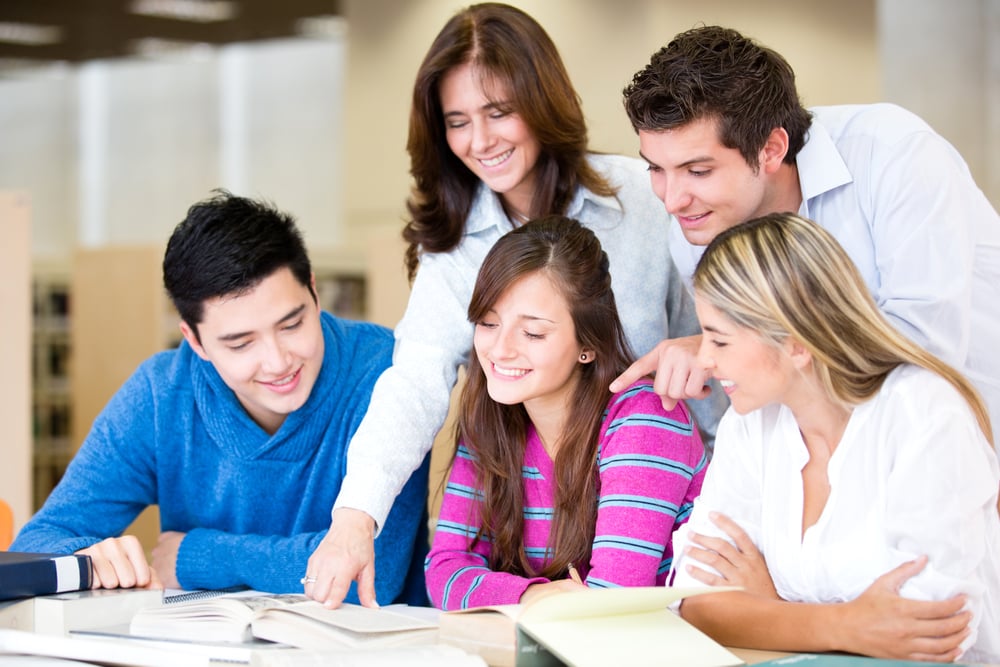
571,257
515,55
781,275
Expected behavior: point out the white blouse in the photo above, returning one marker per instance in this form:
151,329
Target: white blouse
912,475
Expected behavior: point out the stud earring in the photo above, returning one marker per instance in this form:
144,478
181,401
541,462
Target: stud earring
583,357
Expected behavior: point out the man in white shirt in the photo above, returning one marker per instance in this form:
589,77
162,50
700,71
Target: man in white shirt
727,139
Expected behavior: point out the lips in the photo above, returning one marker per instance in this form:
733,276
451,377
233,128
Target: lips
727,385
285,384
513,373
499,159
691,220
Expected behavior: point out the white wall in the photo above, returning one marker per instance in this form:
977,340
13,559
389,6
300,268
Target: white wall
941,59
37,148
115,151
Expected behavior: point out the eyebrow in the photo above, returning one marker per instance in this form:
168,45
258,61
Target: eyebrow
714,330
686,163
499,104
292,314
524,316
535,318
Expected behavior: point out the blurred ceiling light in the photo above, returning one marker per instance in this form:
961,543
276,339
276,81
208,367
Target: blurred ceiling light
29,34
323,26
155,47
198,11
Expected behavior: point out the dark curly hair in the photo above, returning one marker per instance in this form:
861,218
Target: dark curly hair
715,72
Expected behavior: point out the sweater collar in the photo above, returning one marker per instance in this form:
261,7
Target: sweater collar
231,427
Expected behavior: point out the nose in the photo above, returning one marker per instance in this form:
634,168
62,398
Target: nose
674,195
503,347
704,357
275,359
482,136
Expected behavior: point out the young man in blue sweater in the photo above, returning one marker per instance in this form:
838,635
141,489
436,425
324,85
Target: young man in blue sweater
240,434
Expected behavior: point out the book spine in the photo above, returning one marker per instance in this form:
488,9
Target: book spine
202,594
58,574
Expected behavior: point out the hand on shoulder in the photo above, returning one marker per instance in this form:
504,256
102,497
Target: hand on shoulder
678,377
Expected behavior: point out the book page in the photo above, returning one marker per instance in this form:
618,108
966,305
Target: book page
310,625
226,618
355,618
98,651
606,602
646,638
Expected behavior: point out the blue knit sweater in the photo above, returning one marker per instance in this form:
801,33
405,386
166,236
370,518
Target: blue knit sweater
254,506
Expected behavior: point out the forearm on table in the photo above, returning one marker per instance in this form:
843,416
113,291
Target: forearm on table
746,621
210,558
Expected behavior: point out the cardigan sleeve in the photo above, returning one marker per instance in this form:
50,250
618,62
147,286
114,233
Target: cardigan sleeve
411,398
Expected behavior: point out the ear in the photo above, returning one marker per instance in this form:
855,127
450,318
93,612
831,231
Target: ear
192,340
801,357
773,153
591,355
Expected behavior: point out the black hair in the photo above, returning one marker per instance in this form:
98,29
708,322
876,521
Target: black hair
226,245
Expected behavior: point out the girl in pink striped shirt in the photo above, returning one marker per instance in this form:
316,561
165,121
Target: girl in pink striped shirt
551,470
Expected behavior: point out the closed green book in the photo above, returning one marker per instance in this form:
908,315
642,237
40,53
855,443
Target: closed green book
839,660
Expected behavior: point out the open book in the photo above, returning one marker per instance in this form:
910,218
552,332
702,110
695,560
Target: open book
291,619
599,627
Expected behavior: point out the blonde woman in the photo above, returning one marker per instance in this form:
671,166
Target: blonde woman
853,491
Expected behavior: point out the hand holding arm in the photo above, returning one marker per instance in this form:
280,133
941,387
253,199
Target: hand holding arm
878,623
120,562
346,554
678,374
881,623
739,564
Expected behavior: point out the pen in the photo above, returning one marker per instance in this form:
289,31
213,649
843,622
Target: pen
574,575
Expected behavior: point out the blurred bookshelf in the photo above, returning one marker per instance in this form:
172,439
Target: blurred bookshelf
51,387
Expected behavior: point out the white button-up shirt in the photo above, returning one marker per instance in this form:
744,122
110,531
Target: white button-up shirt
902,202
912,475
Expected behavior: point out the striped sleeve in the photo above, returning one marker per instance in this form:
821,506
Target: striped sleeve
651,463
458,575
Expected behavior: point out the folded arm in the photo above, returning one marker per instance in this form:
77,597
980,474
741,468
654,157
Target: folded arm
878,623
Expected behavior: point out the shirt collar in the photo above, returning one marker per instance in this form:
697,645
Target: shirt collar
820,165
487,211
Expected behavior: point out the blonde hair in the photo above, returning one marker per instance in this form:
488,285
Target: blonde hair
781,275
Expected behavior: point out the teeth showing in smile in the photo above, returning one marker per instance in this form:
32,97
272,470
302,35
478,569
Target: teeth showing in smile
284,381
510,372
492,162
726,384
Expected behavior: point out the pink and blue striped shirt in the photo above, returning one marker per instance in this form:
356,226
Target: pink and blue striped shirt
650,464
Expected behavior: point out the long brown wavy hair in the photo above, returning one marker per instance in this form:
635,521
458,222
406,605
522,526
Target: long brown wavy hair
495,434
516,57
